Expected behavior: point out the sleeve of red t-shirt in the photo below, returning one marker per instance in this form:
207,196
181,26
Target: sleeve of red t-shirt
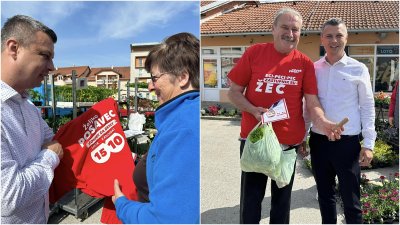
393,100
309,78
241,73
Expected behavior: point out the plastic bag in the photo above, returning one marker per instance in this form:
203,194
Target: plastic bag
136,121
264,155
285,168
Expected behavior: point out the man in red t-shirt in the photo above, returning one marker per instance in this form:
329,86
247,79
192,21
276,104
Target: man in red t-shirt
265,74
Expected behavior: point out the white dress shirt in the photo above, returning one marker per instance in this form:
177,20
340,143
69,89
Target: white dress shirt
344,90
26,169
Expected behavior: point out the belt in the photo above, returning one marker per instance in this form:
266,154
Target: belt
290,147
341,136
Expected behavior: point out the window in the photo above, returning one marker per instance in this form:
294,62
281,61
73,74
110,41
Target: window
232,51
210,73
142,72
387,73
226,66
369,62
217,63
361,50
387,67
140,61
208,51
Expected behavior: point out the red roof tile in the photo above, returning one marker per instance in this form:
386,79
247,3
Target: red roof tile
80,70
123,71
358,16
203,3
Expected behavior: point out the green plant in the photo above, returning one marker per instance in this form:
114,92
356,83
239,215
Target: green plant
60,121
221,111
139,84
90,94
35,95
383,155
231,112
307,162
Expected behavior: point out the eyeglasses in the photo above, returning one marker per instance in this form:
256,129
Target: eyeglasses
155,78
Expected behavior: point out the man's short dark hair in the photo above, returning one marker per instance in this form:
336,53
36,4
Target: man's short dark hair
23,29
177,54
332,22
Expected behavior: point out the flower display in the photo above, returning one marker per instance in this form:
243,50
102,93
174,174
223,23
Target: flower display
380,199
382,100
213,109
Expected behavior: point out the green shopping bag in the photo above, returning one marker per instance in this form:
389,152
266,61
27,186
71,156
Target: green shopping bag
262,151
285,167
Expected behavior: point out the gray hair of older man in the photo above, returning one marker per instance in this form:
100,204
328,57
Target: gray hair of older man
23,29
287,11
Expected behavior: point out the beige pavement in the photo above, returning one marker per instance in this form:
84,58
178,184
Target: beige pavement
220,180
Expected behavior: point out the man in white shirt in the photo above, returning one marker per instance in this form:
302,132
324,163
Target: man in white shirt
28,156
344,90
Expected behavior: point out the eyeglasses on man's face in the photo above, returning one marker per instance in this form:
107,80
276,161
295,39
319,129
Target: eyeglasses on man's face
154,78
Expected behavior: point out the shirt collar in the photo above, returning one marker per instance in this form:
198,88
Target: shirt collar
344,60
8,92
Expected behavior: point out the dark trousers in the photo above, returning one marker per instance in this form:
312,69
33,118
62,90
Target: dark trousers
252,194
338,158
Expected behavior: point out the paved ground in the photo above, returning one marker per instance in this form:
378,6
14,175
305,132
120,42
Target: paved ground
220,180
220,183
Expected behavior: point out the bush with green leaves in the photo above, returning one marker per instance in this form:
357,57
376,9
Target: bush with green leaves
383,155
89,94
139,84
231,112
221,111
34,95
60,121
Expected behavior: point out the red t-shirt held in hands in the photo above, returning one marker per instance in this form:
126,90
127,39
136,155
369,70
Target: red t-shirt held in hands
95,153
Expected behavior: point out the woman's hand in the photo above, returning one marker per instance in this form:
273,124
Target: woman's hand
117,191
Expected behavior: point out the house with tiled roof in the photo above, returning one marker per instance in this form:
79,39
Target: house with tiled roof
62,76
139,52
107,77
373,28
211,9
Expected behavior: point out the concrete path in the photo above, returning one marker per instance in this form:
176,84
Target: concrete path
220,180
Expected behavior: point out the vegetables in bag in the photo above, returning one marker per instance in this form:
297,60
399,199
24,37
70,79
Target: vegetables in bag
263,155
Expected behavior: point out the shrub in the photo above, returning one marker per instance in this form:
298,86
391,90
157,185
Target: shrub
221,111
383,155
231,112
